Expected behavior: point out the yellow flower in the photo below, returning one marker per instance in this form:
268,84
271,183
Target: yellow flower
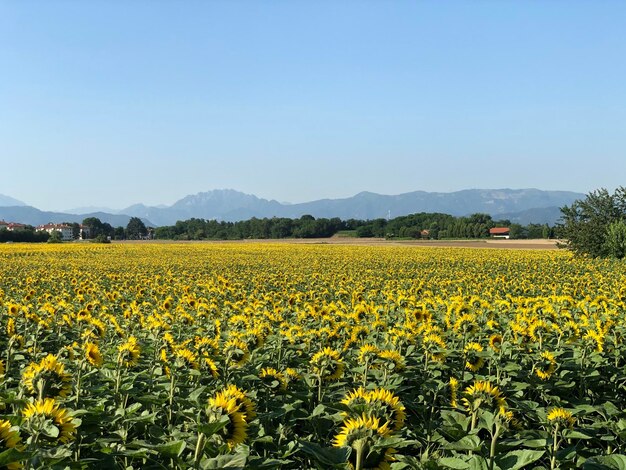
269,376
547,365
495,342
386,406
242,401
358,428
392,359
47,378
10,439
434,345
473,361
327,364
92,354
561,417
237,352
235,432
129,352
482,394
186,358
47,409
361,434
367,353
454,386
211,366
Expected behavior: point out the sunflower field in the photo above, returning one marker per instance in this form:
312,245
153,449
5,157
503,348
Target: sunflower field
277,355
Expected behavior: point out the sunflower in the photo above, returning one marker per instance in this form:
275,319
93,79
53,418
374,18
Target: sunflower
495,342
454,387
210,364
473,360
11,326
483,395
327,364
47,378
367,353
129,352
434,345
386,406
361,434
10,439
391,359
273,379
241,400
93,355
236,351
561,417
185,358
465,324
235,432
546,365
36,413
356,400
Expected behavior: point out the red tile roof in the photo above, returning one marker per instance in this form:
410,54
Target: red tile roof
499,231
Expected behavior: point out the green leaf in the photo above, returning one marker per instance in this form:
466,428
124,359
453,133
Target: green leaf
466,443
327,455
234,461
476,462
519,458
453,462
605,462
211,428
171,449
576,435
12,456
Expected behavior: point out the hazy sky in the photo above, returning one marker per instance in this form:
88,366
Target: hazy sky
114,102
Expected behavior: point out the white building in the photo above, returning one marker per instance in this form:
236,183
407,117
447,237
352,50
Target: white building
64,229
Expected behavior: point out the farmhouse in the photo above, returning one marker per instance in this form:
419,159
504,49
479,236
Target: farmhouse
4,225
499,232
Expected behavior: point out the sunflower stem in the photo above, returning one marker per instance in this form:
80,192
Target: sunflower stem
199,449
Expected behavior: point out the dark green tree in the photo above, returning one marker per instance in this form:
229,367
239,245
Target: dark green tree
95,226
136,229
586,222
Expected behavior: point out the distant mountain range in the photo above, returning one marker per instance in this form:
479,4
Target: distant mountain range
522,206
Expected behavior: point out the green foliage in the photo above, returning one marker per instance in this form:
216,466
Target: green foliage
616,239
136,229
586,222
55,237
101,239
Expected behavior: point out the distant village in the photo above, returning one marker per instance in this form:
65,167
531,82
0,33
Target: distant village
66,231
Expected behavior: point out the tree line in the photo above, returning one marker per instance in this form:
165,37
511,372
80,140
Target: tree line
422,225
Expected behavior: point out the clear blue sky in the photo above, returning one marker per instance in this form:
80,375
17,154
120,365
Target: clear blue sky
117,102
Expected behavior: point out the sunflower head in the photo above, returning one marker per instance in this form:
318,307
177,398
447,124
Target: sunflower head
273,379
93,355
560,417
473,358
243,402
222,406
129,352
327,364
361,434
482,394
546,365
385,405
47,378
39,414
236,352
